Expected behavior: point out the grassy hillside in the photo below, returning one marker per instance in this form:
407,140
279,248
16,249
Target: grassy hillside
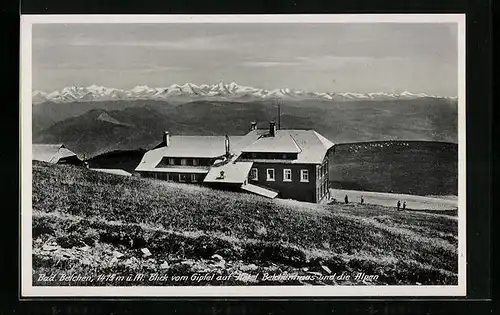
409,167
81,219
142,123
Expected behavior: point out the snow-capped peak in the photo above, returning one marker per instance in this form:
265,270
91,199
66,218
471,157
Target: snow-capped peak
140,88
219,90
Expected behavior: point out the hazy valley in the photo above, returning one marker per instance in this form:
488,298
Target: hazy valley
92,128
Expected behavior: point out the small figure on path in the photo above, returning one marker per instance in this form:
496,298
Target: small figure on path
404,205
399,204
346,200
362,200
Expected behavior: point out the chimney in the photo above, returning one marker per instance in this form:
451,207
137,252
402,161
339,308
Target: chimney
166,138
272,128
227,146
253,125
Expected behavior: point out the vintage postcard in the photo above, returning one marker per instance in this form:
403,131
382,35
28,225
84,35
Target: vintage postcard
243,155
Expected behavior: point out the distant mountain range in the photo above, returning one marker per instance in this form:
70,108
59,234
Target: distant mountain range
228,92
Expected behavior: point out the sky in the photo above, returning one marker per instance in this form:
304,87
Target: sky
347,57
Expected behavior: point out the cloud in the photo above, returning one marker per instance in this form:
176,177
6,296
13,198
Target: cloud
130,68
269,64
205,43
317,61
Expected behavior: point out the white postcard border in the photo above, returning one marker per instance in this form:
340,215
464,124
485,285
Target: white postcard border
27,288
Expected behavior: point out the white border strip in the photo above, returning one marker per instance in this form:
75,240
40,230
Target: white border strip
25,155
27,288
270,18
245,291
462,149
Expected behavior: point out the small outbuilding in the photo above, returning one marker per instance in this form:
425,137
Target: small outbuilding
55,154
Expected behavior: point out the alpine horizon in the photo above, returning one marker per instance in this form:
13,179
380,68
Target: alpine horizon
231,91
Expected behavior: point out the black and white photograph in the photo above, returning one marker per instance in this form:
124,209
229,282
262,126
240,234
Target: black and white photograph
243,155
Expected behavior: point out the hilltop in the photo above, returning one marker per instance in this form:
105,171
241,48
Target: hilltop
91,223
409,167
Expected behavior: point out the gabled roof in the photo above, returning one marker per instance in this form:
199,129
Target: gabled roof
310,145
282,142
193,147
51,153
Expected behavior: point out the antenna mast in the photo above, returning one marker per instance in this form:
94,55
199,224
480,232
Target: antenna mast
279,101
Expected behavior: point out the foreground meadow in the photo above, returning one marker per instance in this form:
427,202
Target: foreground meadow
93,224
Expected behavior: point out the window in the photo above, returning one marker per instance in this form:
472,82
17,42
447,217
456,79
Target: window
254,174
287,175
304,175
270,174
171,161
183,162
195,162
193,178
